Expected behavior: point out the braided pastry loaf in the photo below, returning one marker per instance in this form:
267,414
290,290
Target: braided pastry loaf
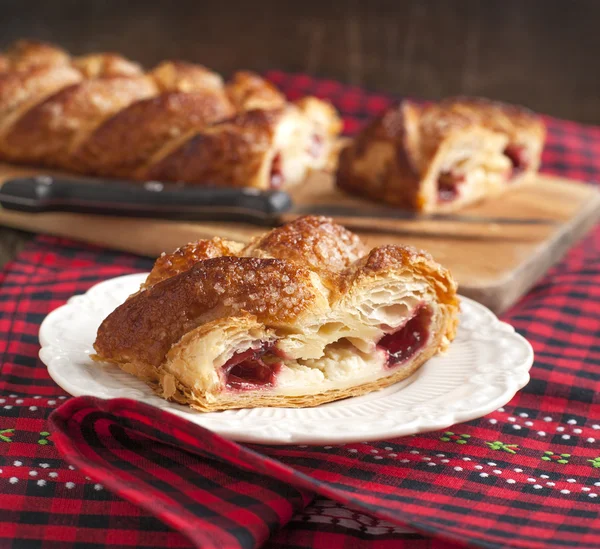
443,156
301,316
102,115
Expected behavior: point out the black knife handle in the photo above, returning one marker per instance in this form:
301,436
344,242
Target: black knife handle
144,199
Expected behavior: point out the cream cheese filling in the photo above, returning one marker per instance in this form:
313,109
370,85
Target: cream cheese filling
341,366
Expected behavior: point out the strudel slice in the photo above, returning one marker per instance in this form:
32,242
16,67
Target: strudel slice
301,316
440,157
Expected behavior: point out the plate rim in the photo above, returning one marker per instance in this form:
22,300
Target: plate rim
402,429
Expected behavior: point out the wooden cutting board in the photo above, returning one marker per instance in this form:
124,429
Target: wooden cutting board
493,264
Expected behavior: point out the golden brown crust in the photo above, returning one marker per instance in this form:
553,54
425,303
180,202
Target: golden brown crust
106,65
25,55
184,258
48,132
26,88
100,114
276,283
394,155
128,140
146,326
495,115
396,181
185,77
243,151
230,153
440,120
248,91
315,242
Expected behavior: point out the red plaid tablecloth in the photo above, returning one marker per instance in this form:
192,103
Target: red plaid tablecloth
527,475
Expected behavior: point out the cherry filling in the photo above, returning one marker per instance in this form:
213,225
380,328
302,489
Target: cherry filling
517,154
248,369
448,183
276,172
410,338
316,146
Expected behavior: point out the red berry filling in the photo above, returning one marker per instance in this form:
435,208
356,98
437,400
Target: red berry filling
407,340
518,157
248,369
276,172
448,184
316,146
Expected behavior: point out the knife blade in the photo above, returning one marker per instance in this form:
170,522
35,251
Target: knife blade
154,199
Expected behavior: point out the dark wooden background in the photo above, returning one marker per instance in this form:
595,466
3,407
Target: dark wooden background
540,53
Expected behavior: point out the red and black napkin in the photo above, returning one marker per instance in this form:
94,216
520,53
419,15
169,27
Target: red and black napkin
122,474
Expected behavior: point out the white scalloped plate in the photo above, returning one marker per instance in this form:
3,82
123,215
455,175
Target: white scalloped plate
483,369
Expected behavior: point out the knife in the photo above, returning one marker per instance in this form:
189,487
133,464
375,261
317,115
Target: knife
174,201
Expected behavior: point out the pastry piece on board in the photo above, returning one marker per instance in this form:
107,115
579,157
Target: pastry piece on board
101,114
24,55
263,149
443,156
302,315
